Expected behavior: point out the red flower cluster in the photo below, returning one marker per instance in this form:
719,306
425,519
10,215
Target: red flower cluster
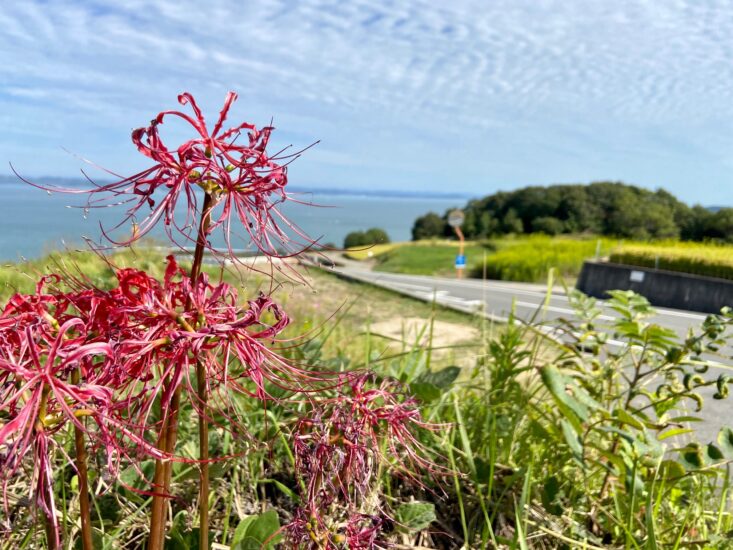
103,355
106,362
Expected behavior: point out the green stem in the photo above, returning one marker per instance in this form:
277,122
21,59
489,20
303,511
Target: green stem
169,430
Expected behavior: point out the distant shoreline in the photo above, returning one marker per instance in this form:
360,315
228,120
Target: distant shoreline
376,193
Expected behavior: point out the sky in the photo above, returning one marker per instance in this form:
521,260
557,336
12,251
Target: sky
466,96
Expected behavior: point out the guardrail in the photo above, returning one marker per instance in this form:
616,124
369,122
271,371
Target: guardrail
662,288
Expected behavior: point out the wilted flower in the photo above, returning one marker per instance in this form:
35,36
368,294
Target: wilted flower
338,447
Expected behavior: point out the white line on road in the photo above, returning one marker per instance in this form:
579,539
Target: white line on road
558,309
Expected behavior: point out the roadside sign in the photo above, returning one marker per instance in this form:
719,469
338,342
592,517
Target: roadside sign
456,217
461,261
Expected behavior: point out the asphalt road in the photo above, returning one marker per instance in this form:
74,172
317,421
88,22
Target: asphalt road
496,299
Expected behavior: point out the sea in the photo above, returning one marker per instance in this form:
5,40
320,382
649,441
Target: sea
34,222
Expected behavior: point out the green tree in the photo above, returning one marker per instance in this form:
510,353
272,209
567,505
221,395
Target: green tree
375,235
512,223
427,226
548,225
720,225
355,238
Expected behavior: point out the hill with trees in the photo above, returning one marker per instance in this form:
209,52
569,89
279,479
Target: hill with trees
601,208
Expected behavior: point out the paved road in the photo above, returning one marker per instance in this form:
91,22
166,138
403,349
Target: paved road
496,298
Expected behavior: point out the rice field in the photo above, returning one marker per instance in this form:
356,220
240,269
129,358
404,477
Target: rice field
706,259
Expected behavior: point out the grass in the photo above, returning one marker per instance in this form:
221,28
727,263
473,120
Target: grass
527,259
364,253
530,259
428,258
707,259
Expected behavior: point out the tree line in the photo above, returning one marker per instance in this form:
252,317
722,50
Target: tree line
601,208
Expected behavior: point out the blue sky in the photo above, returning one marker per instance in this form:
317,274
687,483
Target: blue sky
469,96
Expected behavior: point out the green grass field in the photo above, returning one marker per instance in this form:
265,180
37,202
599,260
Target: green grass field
527,259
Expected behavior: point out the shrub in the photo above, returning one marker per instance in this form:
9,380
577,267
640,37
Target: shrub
369,237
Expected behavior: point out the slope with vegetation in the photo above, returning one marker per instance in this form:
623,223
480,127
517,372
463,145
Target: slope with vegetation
545,444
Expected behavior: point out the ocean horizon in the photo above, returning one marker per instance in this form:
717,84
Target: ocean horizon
34,222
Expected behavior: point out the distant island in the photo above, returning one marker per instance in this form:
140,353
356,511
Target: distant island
386,193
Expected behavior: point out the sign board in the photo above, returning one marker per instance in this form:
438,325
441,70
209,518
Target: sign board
456,217
461,261
636,277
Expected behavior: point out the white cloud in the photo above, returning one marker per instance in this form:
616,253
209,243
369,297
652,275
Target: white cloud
519,70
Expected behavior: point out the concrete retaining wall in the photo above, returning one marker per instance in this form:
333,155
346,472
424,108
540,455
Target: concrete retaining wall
661,288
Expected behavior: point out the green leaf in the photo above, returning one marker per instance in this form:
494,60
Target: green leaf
572,440
257,532
241,530
692,456
725,440
179,536
626,418
284,488
564,390
415,516
441,379
671,469
714,454
425,392
674,432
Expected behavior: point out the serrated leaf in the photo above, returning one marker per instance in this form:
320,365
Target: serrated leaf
415,516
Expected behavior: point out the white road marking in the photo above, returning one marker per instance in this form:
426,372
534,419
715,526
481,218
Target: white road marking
559,309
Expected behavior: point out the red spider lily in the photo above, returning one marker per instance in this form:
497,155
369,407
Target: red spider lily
38,400
112,355
244,182
337,450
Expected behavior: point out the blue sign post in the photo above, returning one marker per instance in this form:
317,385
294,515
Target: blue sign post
455,220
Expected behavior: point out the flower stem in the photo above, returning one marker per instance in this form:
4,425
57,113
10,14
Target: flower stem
169,429
81,472
52,535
